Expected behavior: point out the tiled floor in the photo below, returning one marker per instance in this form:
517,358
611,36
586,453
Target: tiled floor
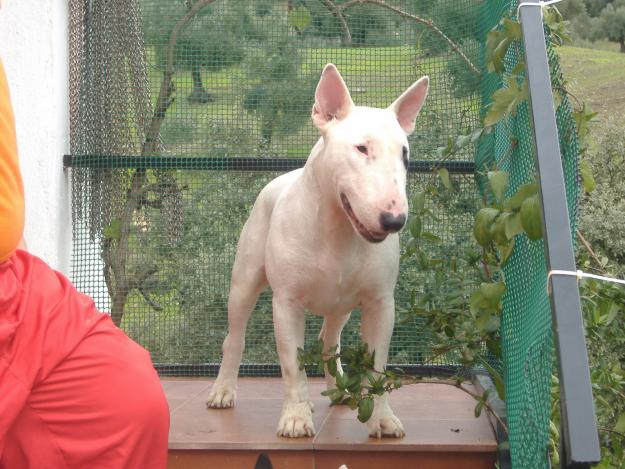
438,419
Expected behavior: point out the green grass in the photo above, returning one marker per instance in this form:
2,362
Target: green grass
602,44
596,77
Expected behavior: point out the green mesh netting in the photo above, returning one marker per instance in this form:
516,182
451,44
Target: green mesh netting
164,176
526,326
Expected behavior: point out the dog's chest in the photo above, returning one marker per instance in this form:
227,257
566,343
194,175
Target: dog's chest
332,289
337,281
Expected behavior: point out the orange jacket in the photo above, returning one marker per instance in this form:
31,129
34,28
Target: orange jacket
11,189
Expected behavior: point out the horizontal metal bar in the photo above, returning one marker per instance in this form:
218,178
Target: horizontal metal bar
580,443
273,369
231,164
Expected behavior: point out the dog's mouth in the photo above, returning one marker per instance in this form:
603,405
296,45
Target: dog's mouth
371,236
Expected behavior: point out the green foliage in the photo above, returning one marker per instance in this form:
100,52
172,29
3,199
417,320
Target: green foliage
594,7
185,331
368,24
603,210
299,18
456,19
464,82
556,27
364,22
283,95
212,40
613,24
583,117
531,219
603,308
498,41
572,8
596,19
586,29
359,382
506,100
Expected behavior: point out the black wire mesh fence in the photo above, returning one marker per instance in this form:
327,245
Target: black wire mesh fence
183,111
179,309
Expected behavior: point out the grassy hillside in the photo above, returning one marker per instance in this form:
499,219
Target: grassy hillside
597,77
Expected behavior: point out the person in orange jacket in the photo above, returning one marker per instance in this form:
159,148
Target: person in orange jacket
75,391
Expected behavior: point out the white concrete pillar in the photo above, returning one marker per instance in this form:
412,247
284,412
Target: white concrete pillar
34,50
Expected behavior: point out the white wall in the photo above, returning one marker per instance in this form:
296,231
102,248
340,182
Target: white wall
33,48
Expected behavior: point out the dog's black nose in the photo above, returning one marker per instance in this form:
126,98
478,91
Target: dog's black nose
391,223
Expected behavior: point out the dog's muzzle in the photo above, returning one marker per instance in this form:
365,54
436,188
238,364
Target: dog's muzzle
371,236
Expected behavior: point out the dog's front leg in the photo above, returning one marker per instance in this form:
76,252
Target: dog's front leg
289,324
378,319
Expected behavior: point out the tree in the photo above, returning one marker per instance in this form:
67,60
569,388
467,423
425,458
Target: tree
212,41
456,19
365,22
281,99
596,19
613,23
595,7
572,8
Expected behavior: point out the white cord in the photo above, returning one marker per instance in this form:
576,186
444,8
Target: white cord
579,274
541,4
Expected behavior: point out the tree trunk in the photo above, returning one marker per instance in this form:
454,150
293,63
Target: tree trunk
266,132
199,94
117,307
622,42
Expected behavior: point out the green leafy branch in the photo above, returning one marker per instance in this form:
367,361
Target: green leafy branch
506,100
359,383
465,316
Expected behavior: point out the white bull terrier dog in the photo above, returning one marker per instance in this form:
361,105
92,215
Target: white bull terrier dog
324,237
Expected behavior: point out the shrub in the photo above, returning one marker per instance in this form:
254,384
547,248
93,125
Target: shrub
602,219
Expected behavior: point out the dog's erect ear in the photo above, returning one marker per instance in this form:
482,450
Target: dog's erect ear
332,99
408,105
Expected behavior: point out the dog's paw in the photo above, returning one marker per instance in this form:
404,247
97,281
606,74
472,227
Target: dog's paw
383,422
296,421
222,396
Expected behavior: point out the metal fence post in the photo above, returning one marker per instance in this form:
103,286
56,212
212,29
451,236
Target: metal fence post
579,439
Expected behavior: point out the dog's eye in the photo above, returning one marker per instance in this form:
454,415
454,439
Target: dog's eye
362,149
404,156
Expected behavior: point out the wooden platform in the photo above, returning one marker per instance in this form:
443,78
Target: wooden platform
441,430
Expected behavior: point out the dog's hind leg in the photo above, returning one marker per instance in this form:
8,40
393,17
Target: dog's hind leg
330,334
248,281
240,305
